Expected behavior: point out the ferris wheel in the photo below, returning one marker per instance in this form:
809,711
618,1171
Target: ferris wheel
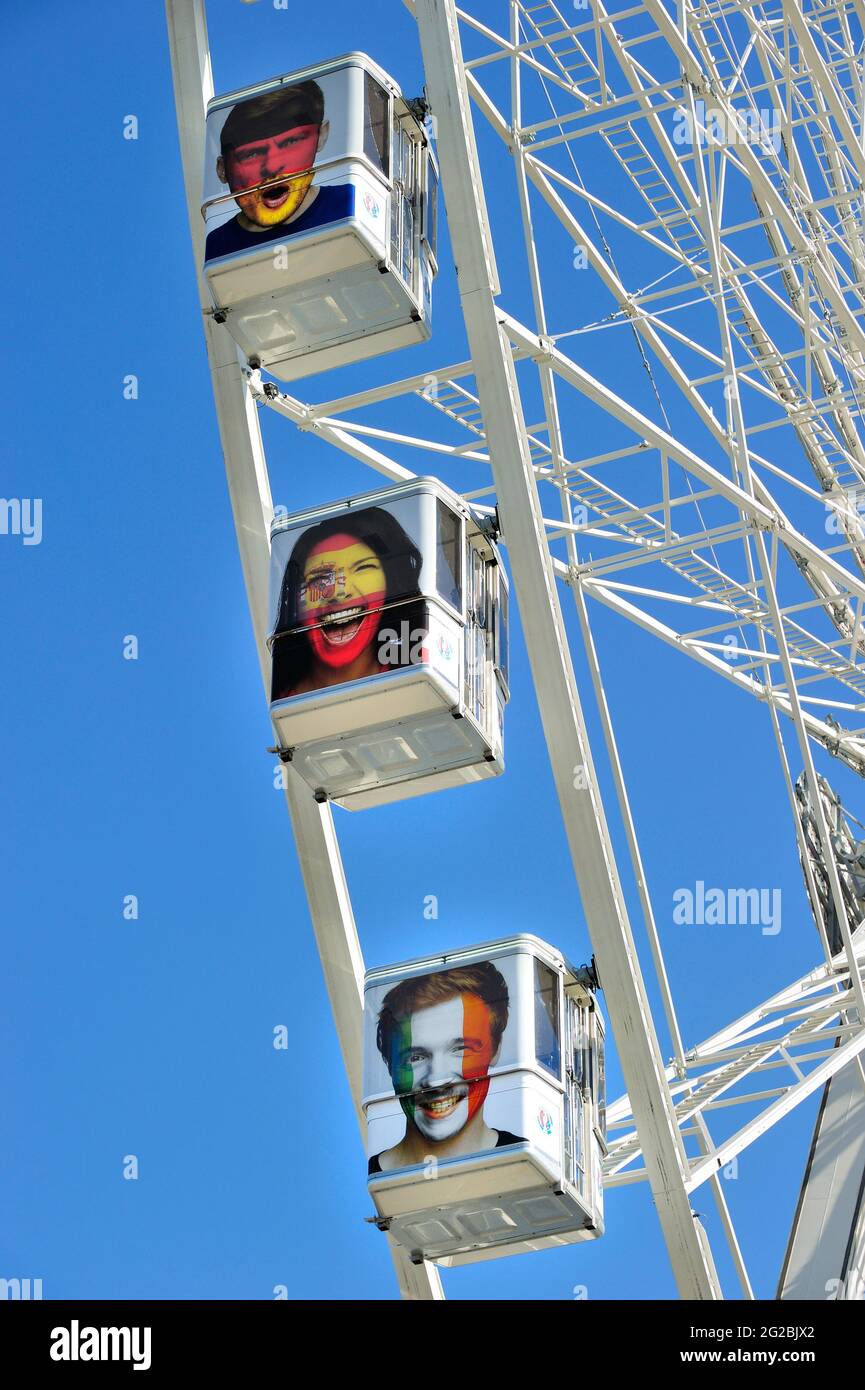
703,164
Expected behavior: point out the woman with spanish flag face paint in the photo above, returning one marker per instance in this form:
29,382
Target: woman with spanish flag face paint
346,581
440,1059
342,592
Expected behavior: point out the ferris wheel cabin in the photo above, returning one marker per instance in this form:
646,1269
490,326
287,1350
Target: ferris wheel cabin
484,1100
389,620
320,197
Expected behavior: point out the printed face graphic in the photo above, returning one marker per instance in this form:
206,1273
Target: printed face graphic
343,589
439,1064
287,153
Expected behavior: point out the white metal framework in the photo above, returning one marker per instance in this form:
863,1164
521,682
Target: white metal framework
704,162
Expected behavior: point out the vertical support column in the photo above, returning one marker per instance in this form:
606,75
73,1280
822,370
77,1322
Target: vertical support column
552,670
822,1256
249,489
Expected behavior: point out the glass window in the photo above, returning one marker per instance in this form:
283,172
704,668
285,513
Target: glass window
599,1071
407,241
501,634
480,589
376,130
469,598
395,223
404,206
476,644
568,1116
581,1061
404,163
478,703
576,1110
547,1047
448,555
431,206
410,157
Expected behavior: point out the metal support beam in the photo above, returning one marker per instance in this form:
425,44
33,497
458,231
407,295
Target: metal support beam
552,670
820,1260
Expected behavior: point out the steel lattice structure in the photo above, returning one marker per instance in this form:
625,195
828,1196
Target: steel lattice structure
705,162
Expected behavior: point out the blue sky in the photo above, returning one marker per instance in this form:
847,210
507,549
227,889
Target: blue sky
150,777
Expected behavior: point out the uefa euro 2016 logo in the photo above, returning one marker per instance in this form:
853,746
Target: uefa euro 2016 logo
371,204
545,1120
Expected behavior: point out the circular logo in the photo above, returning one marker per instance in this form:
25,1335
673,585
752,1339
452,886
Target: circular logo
545,1121
371,205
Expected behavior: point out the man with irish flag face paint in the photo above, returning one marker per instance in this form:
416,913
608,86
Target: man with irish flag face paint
268,147
439,1035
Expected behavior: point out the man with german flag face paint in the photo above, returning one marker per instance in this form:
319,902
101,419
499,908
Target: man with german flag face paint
268,146
439,1035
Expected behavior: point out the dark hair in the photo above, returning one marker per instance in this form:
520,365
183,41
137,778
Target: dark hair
401,561
260,117
423,991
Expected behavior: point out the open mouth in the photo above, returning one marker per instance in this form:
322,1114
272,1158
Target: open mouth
340,627
440,1106
276,195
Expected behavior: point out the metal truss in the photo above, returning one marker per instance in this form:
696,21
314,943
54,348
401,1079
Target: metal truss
766,1063
798,1039
702,165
